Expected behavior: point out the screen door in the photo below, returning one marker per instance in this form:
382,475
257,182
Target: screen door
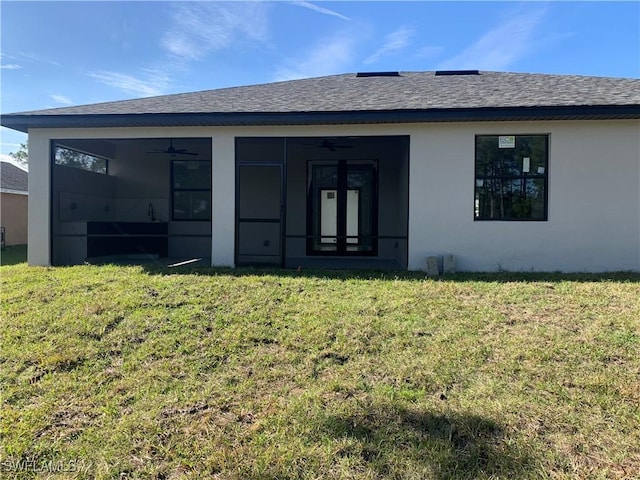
259,206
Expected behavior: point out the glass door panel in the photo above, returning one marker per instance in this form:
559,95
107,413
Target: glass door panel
328,216
361,216
342,208
322,220
353,215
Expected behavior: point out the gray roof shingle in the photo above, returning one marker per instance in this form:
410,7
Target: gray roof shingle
13,178
409,91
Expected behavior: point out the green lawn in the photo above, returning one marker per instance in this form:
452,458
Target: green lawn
126,372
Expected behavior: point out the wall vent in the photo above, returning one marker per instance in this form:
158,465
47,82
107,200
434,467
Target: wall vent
377,74
447,73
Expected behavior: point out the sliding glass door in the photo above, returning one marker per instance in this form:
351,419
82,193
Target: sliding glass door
342,207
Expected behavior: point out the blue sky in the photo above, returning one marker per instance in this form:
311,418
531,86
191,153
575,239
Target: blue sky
56,54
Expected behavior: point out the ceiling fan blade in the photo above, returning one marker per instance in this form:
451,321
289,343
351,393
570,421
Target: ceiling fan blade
171,150
173,153
328,144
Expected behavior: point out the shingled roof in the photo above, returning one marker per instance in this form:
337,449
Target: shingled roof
13,178
357,98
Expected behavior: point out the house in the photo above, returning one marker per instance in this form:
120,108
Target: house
505,171
14,198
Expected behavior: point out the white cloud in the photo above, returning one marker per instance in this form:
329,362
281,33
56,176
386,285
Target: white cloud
199,28
11,65
61,99
502,46
328,57
326,11
19,59
33,58
394,43
154,82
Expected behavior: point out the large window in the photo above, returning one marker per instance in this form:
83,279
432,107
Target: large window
511,177
84,161
191,189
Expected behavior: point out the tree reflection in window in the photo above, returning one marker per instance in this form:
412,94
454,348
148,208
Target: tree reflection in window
511,180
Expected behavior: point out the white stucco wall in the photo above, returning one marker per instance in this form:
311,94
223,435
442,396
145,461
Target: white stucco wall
223,172
39,229
593,211
594,193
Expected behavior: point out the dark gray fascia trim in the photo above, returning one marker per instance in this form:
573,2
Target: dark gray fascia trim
596,112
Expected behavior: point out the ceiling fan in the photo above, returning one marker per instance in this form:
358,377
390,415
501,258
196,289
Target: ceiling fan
332,146
171,150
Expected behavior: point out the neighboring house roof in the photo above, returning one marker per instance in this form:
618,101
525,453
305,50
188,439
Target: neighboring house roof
13,179
364,98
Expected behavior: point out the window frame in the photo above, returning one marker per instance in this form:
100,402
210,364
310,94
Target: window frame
189,189
512,177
